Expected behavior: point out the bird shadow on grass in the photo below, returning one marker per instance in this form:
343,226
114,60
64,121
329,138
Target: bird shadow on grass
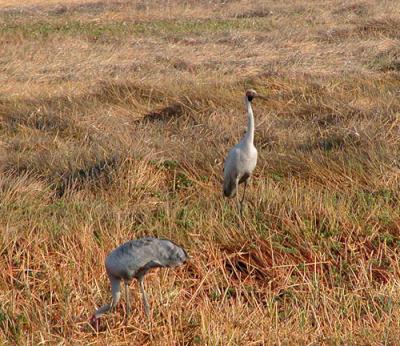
99,170
167,113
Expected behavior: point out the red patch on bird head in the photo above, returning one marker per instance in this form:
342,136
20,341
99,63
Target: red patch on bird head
251,93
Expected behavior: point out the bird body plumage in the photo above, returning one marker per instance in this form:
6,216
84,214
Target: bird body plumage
131,258
239,165
134,259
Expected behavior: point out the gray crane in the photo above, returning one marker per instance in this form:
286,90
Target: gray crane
242,158
134,259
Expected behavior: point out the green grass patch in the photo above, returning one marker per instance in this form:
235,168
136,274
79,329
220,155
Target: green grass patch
45,29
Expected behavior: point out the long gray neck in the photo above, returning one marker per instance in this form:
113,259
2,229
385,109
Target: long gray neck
249,137
116,295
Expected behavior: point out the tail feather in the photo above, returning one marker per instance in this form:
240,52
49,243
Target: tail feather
229,189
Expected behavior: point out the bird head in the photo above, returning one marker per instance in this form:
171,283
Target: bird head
178,257
251,94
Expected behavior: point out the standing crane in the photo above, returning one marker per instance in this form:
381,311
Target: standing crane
242,158
134,259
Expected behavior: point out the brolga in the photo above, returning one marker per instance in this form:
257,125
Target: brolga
242,158
132,260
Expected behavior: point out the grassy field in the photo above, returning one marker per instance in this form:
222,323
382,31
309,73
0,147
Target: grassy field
116,117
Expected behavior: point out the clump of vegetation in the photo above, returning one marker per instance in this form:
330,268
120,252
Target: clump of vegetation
387,60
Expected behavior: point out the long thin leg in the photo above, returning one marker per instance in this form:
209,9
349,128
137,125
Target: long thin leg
116,295
145,302
237,197
241,202
128,304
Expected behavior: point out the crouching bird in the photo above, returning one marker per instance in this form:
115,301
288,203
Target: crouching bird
132,260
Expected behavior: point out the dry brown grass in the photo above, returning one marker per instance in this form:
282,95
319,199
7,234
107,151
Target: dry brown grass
115,119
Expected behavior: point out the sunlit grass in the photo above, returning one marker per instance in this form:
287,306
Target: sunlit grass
115,120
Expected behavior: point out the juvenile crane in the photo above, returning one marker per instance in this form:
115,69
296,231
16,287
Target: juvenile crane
134,259
242,158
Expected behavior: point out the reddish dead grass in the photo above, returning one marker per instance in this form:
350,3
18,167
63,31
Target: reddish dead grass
115,119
